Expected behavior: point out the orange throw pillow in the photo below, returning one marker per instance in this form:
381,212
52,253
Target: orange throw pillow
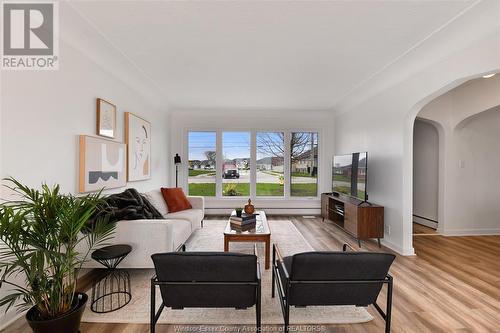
176,199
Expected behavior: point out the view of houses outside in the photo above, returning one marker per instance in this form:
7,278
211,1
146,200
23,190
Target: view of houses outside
235,169
270,164
202,163
304,164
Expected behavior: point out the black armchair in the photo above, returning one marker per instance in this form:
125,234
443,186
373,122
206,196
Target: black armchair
332,278
206,279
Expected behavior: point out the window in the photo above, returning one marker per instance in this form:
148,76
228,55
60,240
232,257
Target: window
236,164
304,164
270,164
258,164
202,163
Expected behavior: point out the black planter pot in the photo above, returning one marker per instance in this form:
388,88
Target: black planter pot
67,323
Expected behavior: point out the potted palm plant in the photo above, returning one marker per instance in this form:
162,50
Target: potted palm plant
40,234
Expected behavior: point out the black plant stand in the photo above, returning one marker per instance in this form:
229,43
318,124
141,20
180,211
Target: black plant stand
113,291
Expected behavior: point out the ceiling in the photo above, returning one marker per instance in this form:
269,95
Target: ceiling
260,54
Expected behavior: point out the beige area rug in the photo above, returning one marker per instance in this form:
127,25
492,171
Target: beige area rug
210,238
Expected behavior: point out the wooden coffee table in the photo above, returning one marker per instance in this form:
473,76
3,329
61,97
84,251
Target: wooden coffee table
261,233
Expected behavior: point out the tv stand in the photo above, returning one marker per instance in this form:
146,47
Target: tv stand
358,220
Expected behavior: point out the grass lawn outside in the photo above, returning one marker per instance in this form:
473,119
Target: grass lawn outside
341,178
243,189
263,189
301,174
203,189
270,190
193,173
304,190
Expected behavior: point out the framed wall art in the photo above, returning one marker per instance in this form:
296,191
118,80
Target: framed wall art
106,118
138,140
102,164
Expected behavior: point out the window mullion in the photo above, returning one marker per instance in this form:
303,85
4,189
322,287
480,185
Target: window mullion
219,165
286,165
253,165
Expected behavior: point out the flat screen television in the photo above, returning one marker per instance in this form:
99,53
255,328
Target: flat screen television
349,175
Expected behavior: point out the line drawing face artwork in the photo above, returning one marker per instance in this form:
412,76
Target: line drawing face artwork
102,164
140,151
138,137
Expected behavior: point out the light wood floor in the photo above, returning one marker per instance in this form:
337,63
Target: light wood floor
419,229
452,285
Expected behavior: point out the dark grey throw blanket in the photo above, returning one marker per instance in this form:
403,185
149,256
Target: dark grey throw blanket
128,205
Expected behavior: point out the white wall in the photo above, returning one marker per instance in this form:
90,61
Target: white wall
379,116
425,173
322,121
43,112
474,180
470,123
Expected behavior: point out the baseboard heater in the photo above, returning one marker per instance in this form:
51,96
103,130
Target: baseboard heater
425,218
425,221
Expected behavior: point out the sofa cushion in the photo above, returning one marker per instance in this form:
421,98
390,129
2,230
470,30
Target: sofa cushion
181,232
194,216
176,199
156,199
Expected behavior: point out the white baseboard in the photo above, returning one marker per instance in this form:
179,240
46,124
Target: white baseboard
269,211
471,232
427,223
397,248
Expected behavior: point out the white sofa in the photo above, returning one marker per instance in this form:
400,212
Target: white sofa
155,236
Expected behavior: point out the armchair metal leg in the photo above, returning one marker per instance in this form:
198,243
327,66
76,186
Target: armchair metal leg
389,306
273,281
287,307
287,317
152,322
202,223
273,287
258,309
273,267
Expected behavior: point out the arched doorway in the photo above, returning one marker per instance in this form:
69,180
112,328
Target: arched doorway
426,157
466,118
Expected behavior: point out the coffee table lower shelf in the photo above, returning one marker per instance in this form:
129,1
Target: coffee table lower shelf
260,233
253,239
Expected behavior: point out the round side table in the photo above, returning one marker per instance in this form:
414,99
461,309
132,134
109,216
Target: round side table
112,292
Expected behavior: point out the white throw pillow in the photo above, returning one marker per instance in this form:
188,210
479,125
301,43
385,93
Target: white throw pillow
156,199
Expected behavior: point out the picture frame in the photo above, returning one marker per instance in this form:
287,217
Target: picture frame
138,140
102,164
106,118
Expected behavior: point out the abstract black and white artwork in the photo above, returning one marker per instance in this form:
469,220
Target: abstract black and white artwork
102,164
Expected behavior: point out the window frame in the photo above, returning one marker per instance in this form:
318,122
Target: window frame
285,152
250,179
186,185
318,192
253,159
